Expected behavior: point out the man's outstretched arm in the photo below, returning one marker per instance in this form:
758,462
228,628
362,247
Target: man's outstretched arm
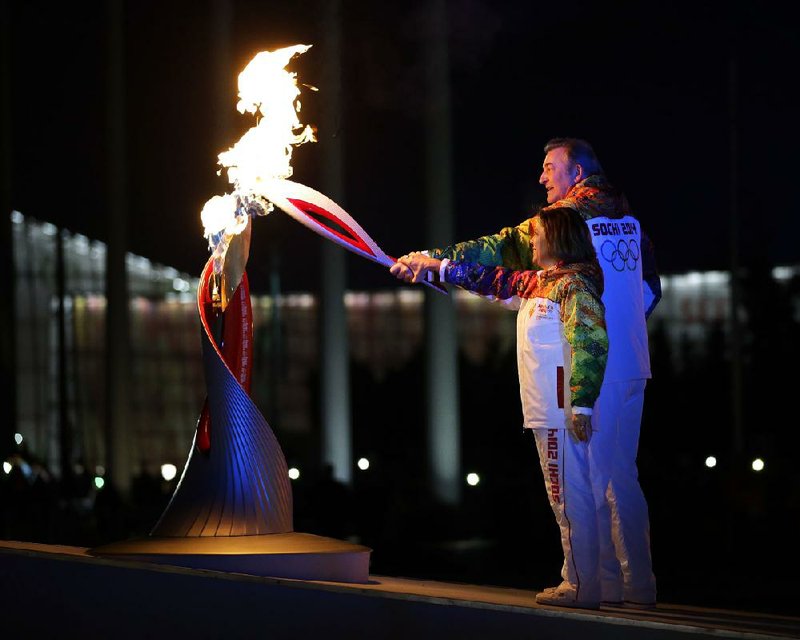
510,248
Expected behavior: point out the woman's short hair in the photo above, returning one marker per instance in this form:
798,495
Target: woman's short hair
579,152
566,234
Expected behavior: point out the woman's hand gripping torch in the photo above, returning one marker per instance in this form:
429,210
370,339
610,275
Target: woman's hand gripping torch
326,218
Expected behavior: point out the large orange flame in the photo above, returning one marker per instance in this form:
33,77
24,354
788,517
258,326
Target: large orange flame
264,152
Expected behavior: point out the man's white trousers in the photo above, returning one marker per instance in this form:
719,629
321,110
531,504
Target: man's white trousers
626,570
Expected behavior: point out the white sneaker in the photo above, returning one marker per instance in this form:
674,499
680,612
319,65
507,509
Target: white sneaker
563,585
564,595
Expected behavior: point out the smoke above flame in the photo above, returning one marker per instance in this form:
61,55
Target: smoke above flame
271,93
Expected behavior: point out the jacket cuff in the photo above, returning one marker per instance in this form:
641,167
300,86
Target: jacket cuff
443,269
438,276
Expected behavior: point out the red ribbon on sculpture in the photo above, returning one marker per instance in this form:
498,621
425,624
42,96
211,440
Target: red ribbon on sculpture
236,348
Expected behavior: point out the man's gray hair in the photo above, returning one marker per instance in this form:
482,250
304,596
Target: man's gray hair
579,152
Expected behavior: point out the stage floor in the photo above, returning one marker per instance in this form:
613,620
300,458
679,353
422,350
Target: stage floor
125,596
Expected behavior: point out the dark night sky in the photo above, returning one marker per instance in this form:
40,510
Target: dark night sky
646,83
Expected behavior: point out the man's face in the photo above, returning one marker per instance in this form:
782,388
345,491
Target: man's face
558,174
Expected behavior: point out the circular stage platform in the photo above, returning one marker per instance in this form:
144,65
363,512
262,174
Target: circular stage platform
301,556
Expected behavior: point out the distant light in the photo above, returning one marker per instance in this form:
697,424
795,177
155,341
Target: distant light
711,462
179,284
758,464
99,482
80,243
7,467
363,464
782,273
473,479
305,300
694,278
294,473
138,262
18,438
168,471
100,470
49,229
17,217
353,299
384,300
409,296
716,277
300,300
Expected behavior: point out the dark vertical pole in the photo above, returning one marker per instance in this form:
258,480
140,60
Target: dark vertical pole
8,379
117,348
337,440
735,290
223,102
276,336
64,427
444,451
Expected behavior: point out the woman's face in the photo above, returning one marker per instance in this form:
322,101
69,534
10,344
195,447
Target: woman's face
541,252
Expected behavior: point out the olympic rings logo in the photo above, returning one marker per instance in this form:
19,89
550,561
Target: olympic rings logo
624,254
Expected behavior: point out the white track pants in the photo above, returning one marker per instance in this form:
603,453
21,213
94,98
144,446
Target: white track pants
626,570
565,465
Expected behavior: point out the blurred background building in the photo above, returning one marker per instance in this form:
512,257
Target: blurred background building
385,330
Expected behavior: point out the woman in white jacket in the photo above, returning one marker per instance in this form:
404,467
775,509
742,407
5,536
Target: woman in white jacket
562,348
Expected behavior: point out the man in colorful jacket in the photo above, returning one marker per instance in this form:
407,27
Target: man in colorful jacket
573,177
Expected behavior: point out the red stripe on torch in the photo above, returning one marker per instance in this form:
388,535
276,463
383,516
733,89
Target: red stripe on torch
352,239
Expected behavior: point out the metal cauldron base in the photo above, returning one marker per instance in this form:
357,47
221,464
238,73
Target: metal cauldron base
298,556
